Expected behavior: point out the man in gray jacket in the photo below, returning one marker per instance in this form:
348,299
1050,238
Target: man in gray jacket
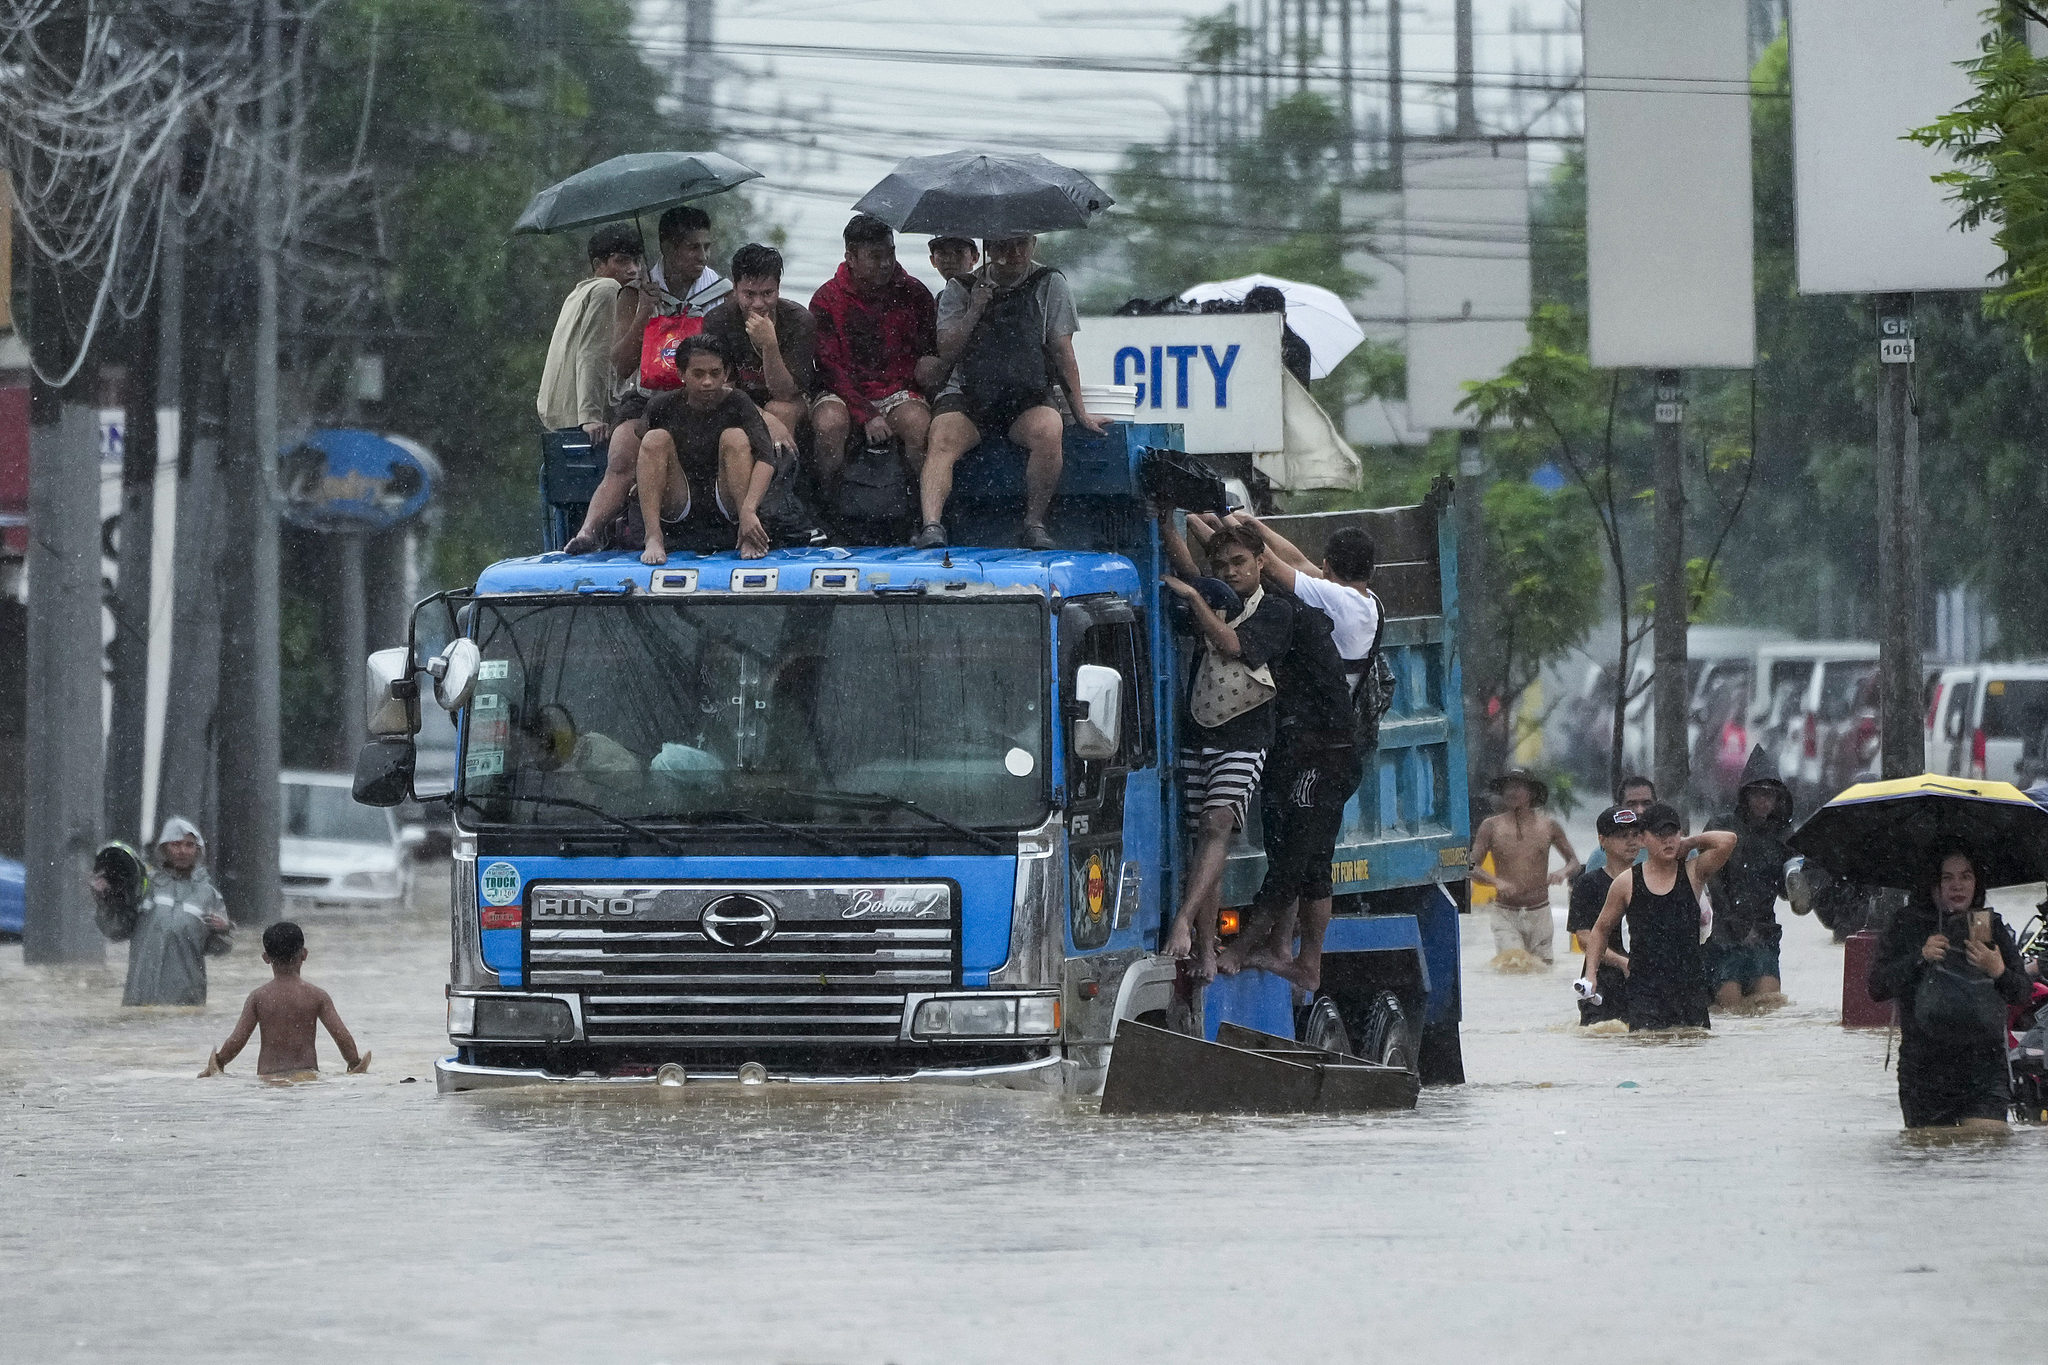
181,922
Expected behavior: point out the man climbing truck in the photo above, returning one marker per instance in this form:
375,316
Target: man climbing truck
895,814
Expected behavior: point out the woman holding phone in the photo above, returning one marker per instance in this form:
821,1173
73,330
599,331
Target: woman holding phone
1953,967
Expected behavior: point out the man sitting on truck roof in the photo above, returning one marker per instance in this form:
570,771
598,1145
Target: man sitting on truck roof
707,458
1006,337
772,341
1229,723
874,321
683,235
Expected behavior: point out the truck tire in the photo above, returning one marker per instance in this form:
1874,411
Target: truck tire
1322,1025
1390,1035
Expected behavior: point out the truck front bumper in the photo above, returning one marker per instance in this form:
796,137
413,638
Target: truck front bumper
1039,1073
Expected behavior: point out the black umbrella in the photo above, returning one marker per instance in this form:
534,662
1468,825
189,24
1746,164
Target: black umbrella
984,194
639,182
1891,833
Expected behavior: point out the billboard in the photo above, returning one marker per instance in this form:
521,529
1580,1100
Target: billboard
1864,73
1217,374
1465,238
1670,274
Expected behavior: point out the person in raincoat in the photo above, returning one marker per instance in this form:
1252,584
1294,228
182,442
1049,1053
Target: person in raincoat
182,922
1952,1070
1742,955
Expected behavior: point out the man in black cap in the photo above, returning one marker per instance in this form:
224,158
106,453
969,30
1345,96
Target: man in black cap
1519,839
1660,898
1621,838
1742,956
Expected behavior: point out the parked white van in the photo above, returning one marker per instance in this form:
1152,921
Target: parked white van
1996,708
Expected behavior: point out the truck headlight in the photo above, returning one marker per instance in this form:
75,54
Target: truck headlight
987,1016
461,1016
509,1019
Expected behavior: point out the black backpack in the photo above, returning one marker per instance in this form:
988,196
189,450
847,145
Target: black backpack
1373,693
874,485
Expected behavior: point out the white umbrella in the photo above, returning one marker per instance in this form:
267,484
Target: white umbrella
1317,316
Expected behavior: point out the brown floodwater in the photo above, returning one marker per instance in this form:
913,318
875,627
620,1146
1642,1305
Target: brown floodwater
1745,1195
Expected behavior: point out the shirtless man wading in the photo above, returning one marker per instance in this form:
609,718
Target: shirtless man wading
1520,838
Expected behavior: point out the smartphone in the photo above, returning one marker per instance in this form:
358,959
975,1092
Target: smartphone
1980,926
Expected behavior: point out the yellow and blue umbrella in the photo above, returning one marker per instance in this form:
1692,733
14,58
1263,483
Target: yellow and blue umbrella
1893,833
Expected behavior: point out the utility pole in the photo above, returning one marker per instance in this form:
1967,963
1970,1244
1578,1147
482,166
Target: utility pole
1397,133
248,737
699,92
62,769
127,722
1672,759
1898,542
1472,603
1468,114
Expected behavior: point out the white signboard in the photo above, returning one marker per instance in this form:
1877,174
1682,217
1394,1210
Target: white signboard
1864,73
1216,374
1465,229
1670,276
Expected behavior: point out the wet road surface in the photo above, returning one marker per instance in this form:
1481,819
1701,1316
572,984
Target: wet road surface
1743,1196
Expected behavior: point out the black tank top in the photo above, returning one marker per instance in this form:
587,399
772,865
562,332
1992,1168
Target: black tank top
1667,982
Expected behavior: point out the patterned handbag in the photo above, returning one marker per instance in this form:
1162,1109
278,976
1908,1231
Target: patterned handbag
1227,688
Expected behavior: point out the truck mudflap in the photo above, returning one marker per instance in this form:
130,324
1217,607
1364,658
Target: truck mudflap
1157,1071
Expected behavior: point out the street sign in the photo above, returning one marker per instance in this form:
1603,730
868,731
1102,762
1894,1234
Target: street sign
343,479
1895,350
1217,374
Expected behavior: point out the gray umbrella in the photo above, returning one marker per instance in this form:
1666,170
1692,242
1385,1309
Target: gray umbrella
984,194
639,182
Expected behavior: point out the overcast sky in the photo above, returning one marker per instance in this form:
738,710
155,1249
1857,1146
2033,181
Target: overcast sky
824,124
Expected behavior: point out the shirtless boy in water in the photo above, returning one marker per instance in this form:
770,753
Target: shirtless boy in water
286,1009
1520,838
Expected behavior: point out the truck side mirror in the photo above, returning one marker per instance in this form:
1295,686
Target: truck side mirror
384,772
455,669
394,697
1098,711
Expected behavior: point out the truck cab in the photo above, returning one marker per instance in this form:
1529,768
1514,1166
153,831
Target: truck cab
882,814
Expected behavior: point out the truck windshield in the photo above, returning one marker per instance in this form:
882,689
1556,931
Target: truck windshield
709,708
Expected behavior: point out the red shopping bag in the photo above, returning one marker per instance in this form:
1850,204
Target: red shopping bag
658,343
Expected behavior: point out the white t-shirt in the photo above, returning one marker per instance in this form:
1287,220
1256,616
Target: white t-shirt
1354,620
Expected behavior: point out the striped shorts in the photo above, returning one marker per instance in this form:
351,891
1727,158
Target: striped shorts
1220,778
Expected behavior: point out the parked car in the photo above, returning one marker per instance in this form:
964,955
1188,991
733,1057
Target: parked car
1713,653
2007,713
335,852
1721,748
1777,706
1952,698
1850,747
1828,708
13,898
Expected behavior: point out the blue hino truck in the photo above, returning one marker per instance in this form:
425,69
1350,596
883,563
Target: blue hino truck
882,814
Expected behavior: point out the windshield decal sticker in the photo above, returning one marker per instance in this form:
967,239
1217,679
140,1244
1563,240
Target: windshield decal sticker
484,763
499,884
493,670
1019,763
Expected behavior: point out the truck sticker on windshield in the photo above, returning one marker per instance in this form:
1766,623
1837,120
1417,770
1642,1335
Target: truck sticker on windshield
484,763
488,703
493,670
499,884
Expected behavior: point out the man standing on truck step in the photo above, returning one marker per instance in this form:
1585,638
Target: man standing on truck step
579,381
772,341
874,322
650,321
1316,762
1006,337
1229,722
1520,838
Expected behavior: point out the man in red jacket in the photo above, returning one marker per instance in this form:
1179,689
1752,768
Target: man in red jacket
874,322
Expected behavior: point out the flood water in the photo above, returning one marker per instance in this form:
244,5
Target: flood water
1744,1196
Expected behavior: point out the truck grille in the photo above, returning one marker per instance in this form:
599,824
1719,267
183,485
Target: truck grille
653,973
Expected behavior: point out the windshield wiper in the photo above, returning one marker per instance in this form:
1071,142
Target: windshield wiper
599,811
895,803
830,845
653,836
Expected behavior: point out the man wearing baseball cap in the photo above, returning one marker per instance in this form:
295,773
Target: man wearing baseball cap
1621,838
1660,898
